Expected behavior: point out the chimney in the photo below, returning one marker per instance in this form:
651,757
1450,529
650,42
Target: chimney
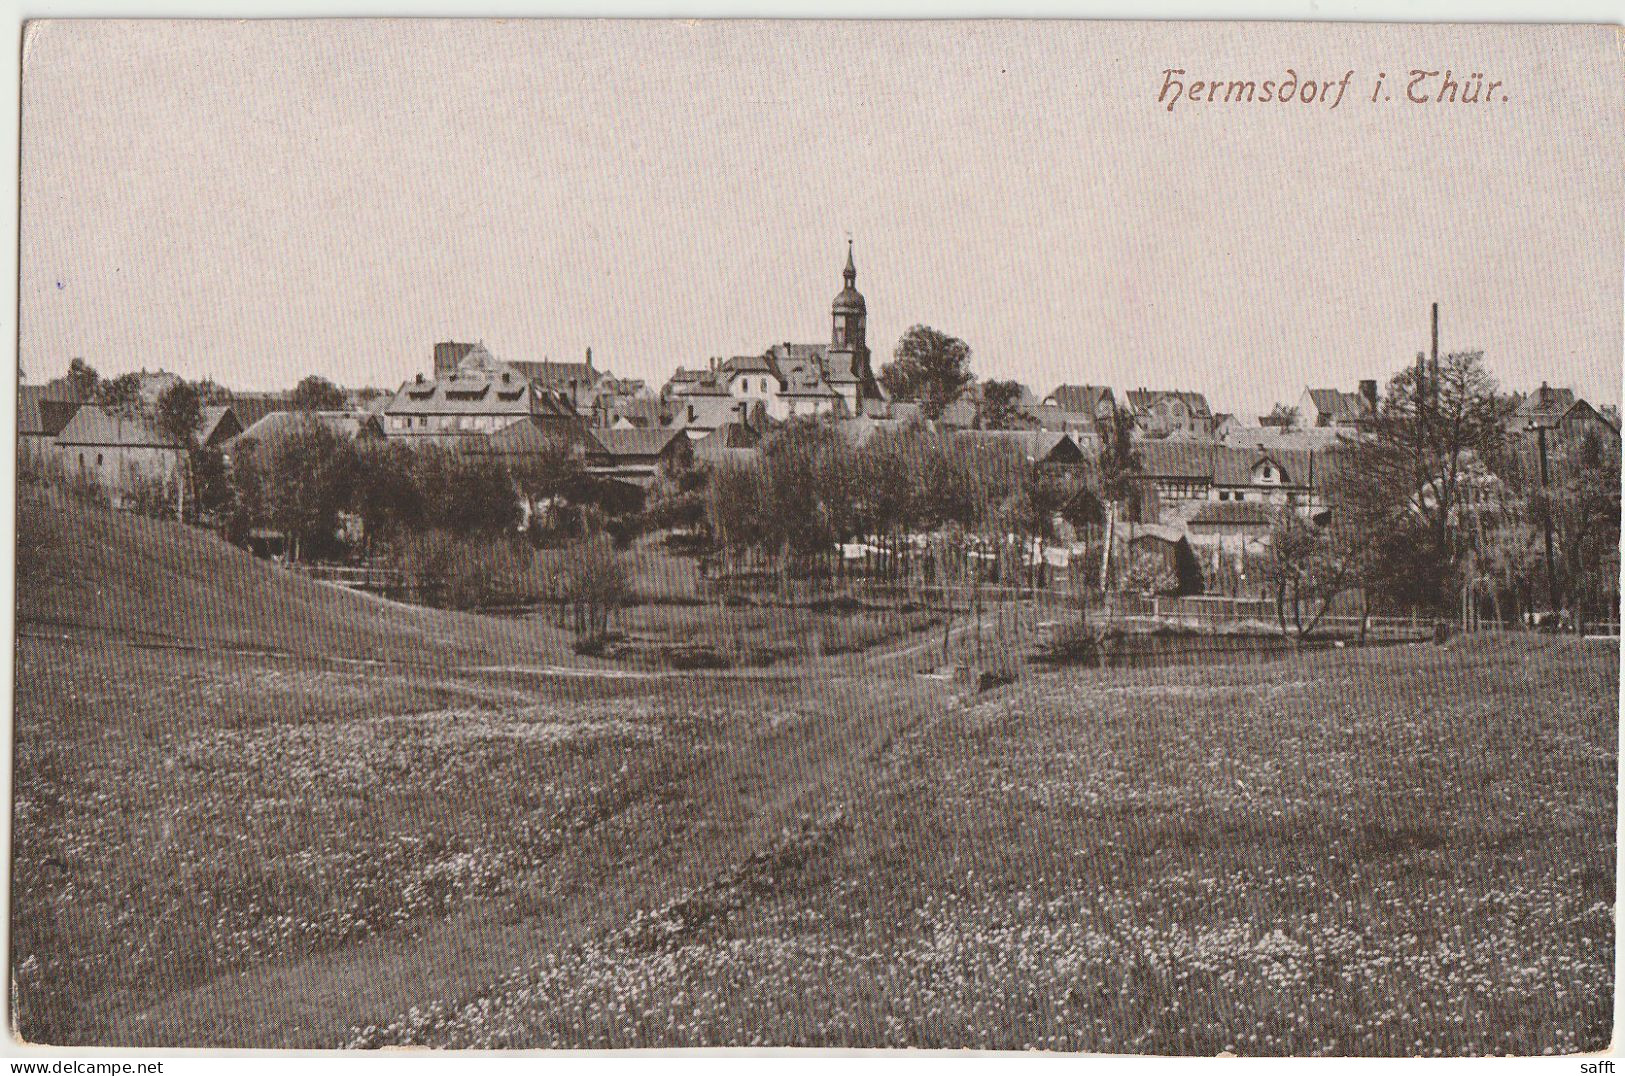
589,358
1435,334
1368,389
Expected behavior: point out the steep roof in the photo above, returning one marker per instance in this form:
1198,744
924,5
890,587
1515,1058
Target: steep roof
40,415
537,433
219,421
1340,406
1037,445
1176,458
637,442
641,410
348,424
1079,398
250,407
732,440
1545,405
558,375
1145,399
94,425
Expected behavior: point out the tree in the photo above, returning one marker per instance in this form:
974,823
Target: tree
463,491
120,396
382,491
1304,567
212,393
1281,415
179,417
929,367
1584,506
83,379
303,475
595,584
1397,491
1120,485
316,393
999,406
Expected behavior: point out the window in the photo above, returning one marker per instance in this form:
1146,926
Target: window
98,459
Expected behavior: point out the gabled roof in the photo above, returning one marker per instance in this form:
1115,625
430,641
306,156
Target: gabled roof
749,364
38,414
348,424
1039,446
536,433
558,375
1078,398
1340,406
636,442
470,392
641,410
1145,399
219,422
250,407
1545,406
1176,459
732,440
94,425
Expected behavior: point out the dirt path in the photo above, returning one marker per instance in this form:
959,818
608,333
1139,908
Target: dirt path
706,820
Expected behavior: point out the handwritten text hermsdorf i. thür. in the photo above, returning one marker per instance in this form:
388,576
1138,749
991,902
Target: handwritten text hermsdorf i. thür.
1418,86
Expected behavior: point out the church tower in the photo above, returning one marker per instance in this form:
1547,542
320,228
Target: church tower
849,313
846,363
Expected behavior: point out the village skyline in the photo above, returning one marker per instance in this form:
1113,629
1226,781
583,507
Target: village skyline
256,236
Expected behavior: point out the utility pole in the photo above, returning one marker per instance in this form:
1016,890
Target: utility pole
1546,516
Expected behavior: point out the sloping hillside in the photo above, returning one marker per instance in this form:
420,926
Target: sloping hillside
82,568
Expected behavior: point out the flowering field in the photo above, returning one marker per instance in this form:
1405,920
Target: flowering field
181,816
1400,851
1403,850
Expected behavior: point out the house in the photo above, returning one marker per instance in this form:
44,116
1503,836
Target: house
119,453
1093,403
350,425
1039,447
1562,420
1322,408
1163,413
1233,526
1186,475
732,442
788,380
1262,475
480,395
41,416
219,426
1179,469
705,406
634,456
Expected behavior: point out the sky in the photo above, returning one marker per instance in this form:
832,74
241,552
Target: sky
255,201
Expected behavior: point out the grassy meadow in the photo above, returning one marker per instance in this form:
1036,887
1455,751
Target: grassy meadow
414,827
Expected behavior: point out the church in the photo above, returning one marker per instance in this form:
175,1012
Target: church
787,380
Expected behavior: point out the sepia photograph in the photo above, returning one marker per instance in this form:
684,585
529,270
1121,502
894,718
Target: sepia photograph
1010,536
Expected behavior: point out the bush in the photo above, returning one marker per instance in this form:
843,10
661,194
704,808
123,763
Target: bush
1079,644
468,571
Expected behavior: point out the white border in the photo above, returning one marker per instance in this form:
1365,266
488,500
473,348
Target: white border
184,1062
